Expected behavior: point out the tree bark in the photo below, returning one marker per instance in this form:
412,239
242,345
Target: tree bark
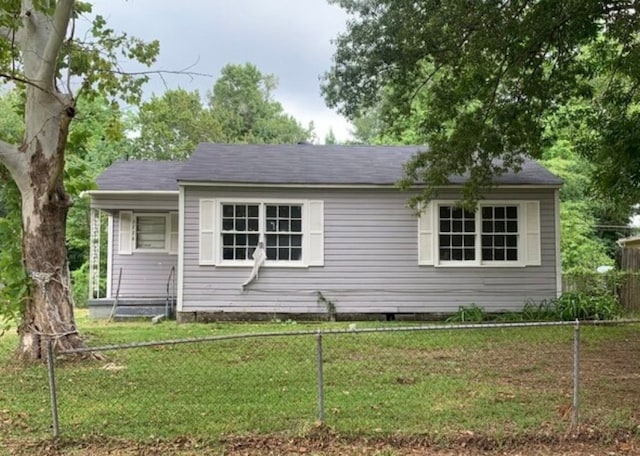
48,311
37,167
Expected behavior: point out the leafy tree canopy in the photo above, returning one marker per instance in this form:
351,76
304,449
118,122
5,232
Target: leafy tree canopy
485,75
240,108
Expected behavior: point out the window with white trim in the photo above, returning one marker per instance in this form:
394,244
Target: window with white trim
151,232
292,232
497,233
148,232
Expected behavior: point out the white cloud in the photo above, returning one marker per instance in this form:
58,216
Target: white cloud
288,38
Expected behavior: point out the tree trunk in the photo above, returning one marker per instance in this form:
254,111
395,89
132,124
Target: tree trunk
48,312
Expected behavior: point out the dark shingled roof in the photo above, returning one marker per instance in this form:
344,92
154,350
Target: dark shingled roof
140,175
312,164
288,164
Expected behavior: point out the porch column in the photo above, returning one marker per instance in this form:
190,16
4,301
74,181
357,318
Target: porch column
94,255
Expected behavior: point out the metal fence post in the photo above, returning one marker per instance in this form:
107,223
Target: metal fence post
52,389
576,377
319,359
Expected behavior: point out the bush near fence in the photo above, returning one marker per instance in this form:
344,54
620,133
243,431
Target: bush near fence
503,381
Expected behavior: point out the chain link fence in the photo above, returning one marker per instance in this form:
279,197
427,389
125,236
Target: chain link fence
500,380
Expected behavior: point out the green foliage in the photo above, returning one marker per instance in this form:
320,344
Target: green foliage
13,280
240,109
481,79
242,104
466,314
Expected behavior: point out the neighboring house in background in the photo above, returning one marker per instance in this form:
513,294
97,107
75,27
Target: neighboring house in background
334,228
632,242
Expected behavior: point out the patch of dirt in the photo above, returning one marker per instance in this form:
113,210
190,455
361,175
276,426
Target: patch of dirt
322,441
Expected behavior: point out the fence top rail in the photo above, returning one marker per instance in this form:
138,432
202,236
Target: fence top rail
350,330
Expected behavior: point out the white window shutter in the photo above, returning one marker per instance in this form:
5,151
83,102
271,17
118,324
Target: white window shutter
315,243
173,233
532,233
207,231
425,236
125,238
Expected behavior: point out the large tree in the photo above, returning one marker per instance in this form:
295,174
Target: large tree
39,53
243,104
489,73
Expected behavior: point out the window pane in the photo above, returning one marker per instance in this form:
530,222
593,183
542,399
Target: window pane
469,240
227,239
296,212
272,240
253,225
296,254
283,211
469,254
445,240
283,240
227,210
271,211
296,226
271,225
241,239
253,211
227,254
496,221
445,211
241,253
456,212
252,239
457,226
240,210
272,254
456,255
296,240
227,224
469,226
283,225
241,225
150,232
445,254
445,226
283,254
456,241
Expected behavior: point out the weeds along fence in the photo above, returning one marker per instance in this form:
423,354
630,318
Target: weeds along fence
497,380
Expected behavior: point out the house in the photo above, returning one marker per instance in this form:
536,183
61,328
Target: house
631,242
300,231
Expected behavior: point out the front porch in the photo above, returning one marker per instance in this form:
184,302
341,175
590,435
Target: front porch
125,308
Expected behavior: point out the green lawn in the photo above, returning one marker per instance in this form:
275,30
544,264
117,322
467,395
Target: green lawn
502,383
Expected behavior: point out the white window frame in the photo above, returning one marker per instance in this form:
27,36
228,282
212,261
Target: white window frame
478,262
167,232
262,203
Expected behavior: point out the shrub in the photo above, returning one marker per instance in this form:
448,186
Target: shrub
473,313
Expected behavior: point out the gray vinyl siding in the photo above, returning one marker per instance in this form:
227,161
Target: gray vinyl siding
370,263
144,274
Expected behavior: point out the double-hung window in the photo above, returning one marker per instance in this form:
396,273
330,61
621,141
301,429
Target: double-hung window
292,232
147,232
495,234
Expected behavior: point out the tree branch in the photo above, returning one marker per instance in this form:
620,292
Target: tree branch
60,21
11,157
6,33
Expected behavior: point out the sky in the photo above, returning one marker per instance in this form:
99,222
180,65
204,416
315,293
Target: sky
290,39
